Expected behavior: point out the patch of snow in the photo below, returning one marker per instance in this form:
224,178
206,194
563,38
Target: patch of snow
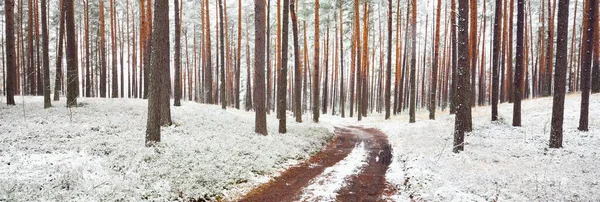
500,162
96,152
327,184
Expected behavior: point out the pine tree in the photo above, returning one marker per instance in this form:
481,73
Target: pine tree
259,67
11,83
315,76
72,78
463,107
586,62
282,95
222,55
558,105
177,56
45,56
518,79
388,73
297,68
495,60
413,64
159,65
434,71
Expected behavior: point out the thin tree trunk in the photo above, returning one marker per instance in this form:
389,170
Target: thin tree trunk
434,71
177,96
45,56
315,76
413,64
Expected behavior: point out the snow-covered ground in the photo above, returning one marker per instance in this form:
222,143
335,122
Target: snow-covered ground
96,152
500,162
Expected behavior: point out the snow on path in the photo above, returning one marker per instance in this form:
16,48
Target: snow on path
326,185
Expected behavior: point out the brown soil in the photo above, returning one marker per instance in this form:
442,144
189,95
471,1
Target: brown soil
368,185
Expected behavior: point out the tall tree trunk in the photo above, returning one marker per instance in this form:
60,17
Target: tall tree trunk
259,67
88,68
72,75
586,62
495,60
473,49
454,51
518,79
113,51
297,69
177,56
11,83
413,64
222,56
342,78
463,108
325,73
147,47
315,78
282,94
434,71
102,51
239,56
388,73
560,77
58,77
596,59
45,56
159,66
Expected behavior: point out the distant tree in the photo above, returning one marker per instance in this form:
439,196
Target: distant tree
463,107
586,62
248,80
495,60
159,64
388,73
59,55
45,56
72,75
208,74
102,47
259,67
297,68
558,106
113,45
413,64
222,56
177,56
316,61
11,76
342,92
434,71
325,73
282,95
163,42
238,56
88,76
518,79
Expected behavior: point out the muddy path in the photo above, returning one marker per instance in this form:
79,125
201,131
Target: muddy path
367,182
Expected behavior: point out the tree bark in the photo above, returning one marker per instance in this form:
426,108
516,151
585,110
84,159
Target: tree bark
495,60
463,107
315,79
72,77
434,71
413,64
388,73
586,63
11,67
518,79
556,133
177,96
45,56
282,94
259,67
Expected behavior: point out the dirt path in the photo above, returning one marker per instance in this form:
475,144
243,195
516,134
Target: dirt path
367,185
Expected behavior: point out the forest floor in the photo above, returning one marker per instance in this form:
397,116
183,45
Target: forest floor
351,168
95,152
